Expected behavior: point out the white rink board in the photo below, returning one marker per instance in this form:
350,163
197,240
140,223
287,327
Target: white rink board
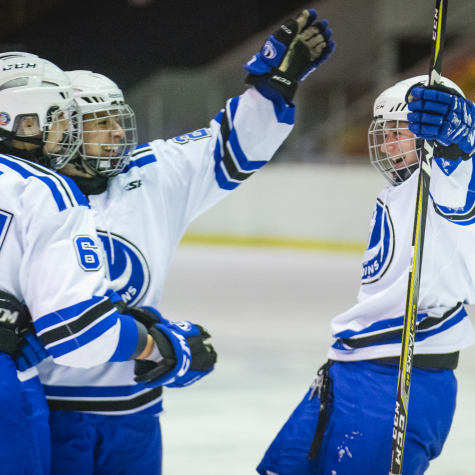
298,201
269,313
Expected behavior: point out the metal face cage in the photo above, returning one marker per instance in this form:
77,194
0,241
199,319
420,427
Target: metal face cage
109,137
393,149
62,135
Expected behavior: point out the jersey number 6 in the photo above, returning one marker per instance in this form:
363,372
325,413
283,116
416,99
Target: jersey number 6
88,253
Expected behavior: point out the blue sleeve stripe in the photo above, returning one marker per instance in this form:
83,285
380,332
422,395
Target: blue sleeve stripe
76,326
221,178
140,162
84,338
219,117
241,158
65,314
462,216
233,105
447,166
230,156
15,165
73,329
129,336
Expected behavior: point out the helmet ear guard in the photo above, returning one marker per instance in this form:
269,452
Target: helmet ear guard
33,95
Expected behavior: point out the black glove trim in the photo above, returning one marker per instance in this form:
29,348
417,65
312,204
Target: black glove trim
452,152
277,80
143,315
436,87
203,356
287,32
16,320
9,341
141,340
147,370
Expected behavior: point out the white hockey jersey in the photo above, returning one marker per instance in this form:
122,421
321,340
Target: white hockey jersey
373,327
50,259
141,219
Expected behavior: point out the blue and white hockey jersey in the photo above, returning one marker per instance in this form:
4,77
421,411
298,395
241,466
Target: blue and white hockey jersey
373,327
50,258
141,219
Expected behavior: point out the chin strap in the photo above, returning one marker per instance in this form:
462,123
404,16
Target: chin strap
401,176
36,155
6,134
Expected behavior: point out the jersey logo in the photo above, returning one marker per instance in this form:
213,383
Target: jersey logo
196,135
133,185
5,220
381,243
126,268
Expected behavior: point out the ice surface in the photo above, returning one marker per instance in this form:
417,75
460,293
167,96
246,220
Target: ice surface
269,312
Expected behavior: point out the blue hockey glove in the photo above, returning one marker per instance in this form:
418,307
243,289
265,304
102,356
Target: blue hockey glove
186,356
30,352
294,51
440,113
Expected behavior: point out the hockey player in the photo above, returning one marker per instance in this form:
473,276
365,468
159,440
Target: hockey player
142,209
49,258
344,425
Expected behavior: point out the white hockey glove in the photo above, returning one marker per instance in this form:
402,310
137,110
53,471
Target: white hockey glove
294,51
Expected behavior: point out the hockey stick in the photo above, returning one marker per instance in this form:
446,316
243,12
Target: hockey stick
412,299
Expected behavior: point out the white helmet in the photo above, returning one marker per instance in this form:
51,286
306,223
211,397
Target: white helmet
37,106
109,126
390,117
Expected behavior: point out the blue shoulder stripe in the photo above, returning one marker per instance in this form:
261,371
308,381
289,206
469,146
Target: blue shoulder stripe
139,147
221,178
140,162
77,193
16,166
53,180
